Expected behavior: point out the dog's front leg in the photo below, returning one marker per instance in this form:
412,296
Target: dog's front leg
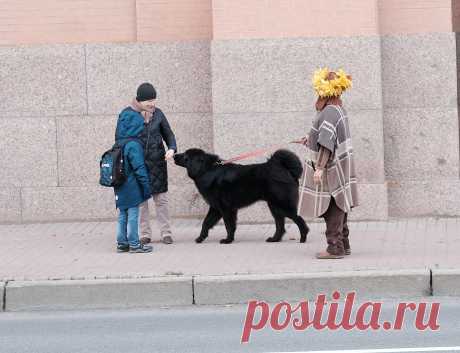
230,225
209,221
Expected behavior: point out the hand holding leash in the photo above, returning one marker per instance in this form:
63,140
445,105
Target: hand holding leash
302,141
318,176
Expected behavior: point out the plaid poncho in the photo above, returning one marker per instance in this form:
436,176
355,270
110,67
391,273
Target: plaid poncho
330,130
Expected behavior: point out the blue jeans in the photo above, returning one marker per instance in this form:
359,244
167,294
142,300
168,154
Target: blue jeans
128,227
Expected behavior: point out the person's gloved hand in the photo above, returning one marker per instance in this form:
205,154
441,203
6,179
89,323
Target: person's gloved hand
169,154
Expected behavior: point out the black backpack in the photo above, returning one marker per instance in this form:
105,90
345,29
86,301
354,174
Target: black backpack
112,166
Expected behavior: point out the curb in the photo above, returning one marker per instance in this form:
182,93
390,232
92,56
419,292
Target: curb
2,296
97,294
223,289
239,289
446,282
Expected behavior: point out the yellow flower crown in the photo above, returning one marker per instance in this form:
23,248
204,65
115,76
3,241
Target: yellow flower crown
329,83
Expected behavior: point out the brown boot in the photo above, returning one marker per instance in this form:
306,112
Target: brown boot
333,251
326,256
345,233
346,246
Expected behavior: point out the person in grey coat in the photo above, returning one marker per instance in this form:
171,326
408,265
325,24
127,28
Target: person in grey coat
156,131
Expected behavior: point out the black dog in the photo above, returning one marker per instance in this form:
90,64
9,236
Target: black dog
229,187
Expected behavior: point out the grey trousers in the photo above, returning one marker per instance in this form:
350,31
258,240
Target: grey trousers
161,206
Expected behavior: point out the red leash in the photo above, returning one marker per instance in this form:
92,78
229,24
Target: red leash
259,152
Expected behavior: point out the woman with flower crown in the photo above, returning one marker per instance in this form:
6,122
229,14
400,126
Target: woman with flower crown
329,185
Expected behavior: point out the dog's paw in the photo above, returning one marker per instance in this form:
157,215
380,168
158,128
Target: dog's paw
226,241
272,240
199,240
303,240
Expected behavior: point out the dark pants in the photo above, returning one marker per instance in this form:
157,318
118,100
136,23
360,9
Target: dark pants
336,229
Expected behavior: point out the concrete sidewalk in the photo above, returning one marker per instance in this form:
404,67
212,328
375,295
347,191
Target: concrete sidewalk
401,257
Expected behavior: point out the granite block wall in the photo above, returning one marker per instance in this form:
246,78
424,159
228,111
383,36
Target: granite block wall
228,85
421,123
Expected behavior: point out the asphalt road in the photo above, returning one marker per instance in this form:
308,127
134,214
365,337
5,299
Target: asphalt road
209,329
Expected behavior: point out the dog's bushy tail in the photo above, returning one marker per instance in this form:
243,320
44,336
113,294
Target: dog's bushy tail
288,160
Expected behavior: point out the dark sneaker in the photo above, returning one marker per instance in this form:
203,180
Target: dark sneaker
122,248
145,240
167,239
141,249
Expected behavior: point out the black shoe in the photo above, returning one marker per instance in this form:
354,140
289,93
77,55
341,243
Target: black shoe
142,249
145,240
122,248
167,239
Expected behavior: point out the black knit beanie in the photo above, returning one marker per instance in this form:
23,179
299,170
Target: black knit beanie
146,92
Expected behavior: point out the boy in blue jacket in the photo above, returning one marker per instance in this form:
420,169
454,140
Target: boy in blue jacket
136,188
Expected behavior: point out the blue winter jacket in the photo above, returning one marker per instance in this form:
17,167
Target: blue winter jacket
136,188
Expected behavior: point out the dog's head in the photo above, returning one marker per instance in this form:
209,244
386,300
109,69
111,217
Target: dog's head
196,161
